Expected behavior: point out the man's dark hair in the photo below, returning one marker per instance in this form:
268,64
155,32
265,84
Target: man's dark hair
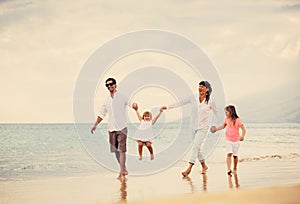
111,79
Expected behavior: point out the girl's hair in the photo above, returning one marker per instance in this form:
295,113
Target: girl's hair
147,113
232,113
208,86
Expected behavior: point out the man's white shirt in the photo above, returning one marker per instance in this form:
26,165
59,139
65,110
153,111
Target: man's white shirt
116,109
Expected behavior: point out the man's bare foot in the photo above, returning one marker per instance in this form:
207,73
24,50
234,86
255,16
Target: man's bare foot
234,171
121,176
152,156
140,157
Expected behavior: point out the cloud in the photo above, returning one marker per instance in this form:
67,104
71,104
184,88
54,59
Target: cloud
292,8
17,13
292,49
45,43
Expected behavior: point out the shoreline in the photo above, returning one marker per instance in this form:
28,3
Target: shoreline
97,189
254,179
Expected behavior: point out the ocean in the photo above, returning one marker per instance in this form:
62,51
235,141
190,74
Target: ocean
36,151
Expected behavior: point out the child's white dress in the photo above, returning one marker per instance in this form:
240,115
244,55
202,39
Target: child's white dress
144,131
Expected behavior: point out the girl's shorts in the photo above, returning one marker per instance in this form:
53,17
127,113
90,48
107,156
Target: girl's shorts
232,147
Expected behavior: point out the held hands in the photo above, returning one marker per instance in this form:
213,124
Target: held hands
162,108
213,129
135,106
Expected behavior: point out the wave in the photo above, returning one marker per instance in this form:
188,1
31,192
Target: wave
274,156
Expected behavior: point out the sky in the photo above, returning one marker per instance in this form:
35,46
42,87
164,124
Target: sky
255,46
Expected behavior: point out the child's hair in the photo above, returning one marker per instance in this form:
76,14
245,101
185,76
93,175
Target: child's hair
147,113
208,86
232,113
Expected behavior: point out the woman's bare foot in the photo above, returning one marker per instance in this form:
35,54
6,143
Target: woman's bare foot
186,172
204,169
152,156
141,157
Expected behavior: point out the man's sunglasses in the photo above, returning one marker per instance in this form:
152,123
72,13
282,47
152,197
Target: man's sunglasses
110,84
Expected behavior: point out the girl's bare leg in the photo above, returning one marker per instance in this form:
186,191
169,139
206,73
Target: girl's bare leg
228,160
149,146
235,162
140,149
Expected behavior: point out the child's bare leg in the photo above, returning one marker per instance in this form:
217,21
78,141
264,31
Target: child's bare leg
230,181
140,149
235,162
236,180
188,170
228,160
148,145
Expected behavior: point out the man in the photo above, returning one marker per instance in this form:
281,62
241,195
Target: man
115,106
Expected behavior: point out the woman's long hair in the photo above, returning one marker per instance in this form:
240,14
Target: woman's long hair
232,113
208,86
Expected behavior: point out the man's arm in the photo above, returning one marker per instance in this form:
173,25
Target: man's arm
98,120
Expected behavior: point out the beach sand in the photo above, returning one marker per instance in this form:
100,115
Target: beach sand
264,181
271,195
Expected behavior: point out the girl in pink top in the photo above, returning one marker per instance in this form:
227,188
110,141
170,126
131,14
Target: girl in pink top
232,123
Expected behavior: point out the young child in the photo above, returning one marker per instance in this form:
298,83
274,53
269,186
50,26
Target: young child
144,133
232,123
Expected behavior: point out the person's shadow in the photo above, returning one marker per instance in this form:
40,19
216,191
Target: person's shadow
193,188
236,181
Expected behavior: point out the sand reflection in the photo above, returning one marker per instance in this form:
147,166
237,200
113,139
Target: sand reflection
236,181
123,191
193,188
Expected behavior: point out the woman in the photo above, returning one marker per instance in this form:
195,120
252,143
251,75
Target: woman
202,107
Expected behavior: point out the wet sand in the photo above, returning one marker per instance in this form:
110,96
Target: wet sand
271,180
270,195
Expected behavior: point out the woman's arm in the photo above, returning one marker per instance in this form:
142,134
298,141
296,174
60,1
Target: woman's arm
179,103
